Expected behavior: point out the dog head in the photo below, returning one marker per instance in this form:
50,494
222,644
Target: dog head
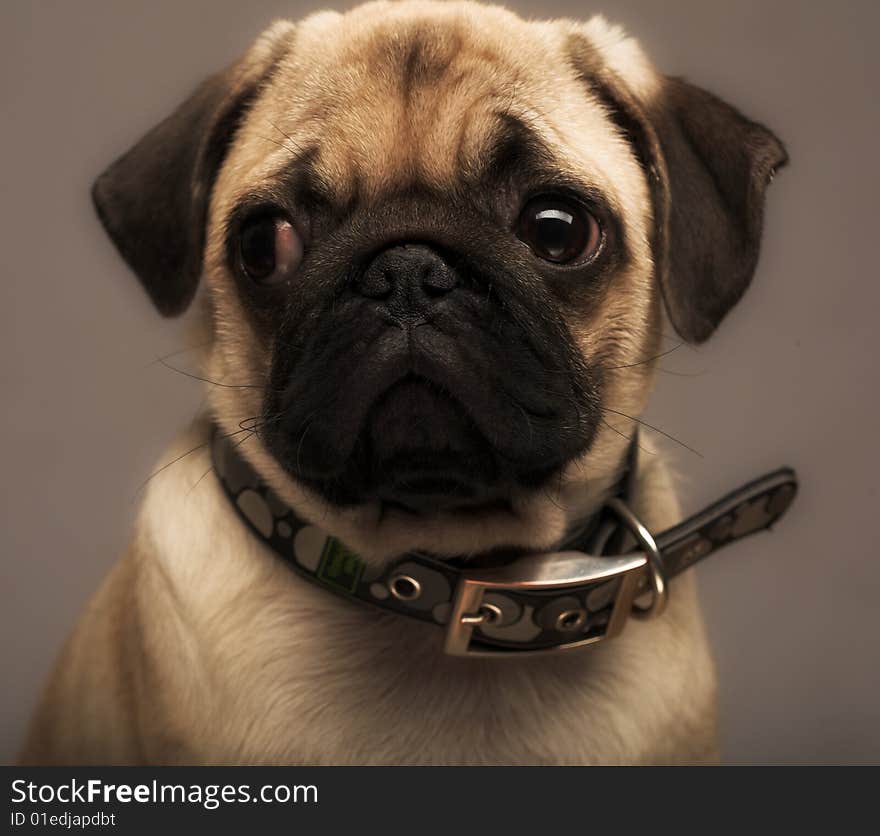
435,242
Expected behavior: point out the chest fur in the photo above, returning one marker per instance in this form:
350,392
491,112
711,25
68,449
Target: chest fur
258,665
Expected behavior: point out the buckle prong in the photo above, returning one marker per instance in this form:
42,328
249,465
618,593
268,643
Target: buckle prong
487,614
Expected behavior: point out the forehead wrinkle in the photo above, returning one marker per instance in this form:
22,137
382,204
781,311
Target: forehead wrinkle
503,148
309,186
519,154
311,179
434,124
514,141
394,104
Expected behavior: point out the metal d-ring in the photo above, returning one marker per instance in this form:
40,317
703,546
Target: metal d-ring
656,573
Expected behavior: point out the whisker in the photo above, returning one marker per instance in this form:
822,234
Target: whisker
629,438
551,499
286,135
283,145
656,430
176,353
205,379
183,456
682,374
648,359
309,422
235,447
558,490
199,480
257,424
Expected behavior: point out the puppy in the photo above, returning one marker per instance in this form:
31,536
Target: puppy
434,243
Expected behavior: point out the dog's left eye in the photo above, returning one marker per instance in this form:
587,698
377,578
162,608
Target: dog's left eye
559,230
269,249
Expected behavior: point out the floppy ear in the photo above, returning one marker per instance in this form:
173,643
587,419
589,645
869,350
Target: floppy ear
708,168
153,201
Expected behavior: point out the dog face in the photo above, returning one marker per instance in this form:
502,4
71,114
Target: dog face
434,240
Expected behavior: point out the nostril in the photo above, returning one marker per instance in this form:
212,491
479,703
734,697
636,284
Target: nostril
375,283
438,279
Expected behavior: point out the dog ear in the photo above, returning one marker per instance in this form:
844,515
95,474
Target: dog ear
153,201
708,168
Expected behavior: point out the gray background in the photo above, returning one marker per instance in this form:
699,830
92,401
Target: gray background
789,379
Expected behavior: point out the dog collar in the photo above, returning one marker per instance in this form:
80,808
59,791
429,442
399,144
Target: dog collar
506,604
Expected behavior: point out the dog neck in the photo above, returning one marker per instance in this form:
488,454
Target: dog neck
535,521
579,592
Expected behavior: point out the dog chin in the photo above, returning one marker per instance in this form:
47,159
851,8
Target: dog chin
379,531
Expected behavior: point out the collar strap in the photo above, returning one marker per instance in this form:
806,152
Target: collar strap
498,606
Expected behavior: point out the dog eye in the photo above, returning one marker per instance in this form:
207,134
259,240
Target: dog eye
269,249
559,230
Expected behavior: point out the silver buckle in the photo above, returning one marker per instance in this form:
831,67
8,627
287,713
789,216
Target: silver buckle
541,573
560,571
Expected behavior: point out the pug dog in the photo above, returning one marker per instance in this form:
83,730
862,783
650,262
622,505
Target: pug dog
433,243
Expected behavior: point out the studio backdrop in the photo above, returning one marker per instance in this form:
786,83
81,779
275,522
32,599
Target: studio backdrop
790,377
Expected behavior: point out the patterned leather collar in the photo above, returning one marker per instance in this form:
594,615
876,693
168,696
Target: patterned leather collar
507,604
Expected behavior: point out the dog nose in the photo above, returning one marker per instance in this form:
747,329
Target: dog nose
407,279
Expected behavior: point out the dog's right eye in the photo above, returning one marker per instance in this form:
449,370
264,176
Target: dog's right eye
269,250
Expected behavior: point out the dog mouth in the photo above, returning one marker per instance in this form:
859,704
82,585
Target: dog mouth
425,440
420,451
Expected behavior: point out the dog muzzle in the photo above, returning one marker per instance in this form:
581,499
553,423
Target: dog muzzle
506,604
